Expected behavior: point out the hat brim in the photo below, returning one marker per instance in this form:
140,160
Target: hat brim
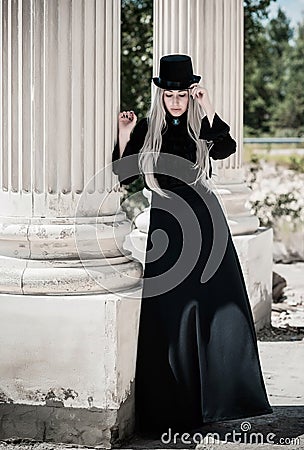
175,85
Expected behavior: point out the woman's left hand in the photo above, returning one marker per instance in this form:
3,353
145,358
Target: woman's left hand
200,94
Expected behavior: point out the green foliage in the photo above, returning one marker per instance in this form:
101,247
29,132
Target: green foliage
276,198
297,163
254,168
274,73
136,62
264,46
257,156
137,55
254,13
290,111
257,98
282,205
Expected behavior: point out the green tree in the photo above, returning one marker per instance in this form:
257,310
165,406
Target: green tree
136,55
290,112
255,11
136,62
268,50
279,34
257,92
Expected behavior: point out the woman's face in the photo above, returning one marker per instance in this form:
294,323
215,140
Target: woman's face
176,102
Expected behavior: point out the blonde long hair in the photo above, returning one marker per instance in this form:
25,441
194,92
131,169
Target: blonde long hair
149,153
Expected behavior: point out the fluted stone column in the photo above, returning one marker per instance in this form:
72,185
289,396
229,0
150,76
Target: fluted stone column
59,103
211,31
67,338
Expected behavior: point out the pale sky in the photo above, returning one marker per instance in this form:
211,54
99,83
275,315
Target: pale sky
294,9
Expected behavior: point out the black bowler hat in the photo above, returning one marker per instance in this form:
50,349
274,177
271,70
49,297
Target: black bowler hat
175,73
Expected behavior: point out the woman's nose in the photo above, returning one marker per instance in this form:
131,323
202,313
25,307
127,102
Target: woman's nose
175,100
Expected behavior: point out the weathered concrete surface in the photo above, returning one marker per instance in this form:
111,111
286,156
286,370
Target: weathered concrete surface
283,366
78,426
285,425
56,424
67,367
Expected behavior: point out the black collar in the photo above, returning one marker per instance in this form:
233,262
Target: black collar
176,122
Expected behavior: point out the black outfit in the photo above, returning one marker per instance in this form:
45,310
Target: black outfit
197,355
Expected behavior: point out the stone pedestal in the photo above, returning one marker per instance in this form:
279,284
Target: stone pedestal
67,367
255,255
67,303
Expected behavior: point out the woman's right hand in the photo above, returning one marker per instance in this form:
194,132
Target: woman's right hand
126,121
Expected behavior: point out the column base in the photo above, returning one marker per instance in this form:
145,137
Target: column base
67,367
68,277
66,256
243,225
136,243
97,427
233,195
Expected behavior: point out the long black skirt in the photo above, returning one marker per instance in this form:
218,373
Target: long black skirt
197,354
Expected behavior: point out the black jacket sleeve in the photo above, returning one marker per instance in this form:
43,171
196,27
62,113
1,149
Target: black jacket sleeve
223,145
127,167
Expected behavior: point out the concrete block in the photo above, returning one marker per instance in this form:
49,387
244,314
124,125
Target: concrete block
255,255
67,367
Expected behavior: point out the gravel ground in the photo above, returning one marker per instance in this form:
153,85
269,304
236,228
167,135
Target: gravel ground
275,333
17,444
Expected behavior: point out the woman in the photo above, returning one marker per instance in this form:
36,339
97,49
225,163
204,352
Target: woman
197,355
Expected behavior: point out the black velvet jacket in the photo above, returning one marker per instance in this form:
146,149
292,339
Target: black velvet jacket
175,140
